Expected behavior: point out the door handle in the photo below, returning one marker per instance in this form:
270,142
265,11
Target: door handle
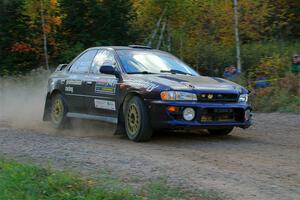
89,82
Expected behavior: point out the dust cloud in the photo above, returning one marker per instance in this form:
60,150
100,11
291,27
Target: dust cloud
22,100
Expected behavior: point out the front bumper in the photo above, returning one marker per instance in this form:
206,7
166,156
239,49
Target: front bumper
162,118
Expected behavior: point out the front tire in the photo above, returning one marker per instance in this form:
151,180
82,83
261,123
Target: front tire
58,112
137,123
220,132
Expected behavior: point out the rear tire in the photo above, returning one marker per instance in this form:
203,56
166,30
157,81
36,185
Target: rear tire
58,111
220,132
137,123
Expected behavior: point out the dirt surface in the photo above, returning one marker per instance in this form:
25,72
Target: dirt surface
262,162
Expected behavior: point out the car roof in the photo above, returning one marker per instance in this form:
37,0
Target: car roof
111,47
130,47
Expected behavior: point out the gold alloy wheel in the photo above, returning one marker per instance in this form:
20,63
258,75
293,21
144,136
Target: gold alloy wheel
57,111
133,120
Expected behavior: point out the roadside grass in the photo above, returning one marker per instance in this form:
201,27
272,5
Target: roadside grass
283,96
20,181
25,181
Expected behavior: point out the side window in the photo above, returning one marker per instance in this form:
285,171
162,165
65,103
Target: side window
83,63
103,56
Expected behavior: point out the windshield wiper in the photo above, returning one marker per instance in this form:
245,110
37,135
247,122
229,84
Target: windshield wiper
175,71
142,72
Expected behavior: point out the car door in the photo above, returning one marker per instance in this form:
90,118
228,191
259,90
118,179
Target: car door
104,86
78,83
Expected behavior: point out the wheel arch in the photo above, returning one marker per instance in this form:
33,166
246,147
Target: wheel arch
126,98
46,116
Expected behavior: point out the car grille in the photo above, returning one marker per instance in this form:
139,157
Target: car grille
222,115
217,97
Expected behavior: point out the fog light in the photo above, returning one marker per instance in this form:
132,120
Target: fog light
188,114
247,115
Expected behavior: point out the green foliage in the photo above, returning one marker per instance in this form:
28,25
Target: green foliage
70,26
96,22
23,181
202,32
254,52
69,52
282,96
159,190
29,182
271,67
13,34
277,100
199,32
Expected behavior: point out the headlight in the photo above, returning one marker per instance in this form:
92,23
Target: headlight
178,96
243,98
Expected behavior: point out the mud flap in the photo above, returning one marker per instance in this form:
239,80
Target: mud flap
46,115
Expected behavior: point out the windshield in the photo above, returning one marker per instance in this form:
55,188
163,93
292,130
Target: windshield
148,62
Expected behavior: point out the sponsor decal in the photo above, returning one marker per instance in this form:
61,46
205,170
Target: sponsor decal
73,82
105,87
148,85
69,89
103,104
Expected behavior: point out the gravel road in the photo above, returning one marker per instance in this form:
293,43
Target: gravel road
262,162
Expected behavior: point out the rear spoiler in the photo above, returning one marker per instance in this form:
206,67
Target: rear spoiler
60,67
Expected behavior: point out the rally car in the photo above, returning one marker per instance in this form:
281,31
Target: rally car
141,90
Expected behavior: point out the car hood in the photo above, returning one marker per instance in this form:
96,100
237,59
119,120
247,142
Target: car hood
186,82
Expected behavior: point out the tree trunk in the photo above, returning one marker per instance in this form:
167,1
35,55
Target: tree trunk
44,35
156,29
161,35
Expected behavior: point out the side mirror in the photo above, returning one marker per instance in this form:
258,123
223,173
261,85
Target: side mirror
108,69
61,67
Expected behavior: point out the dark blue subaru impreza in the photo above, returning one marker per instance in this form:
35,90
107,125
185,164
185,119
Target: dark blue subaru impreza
142,89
